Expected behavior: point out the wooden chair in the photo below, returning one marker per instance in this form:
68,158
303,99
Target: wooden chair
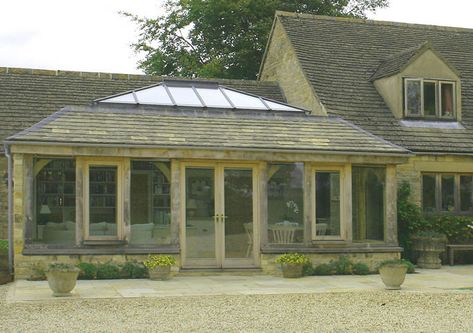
283,234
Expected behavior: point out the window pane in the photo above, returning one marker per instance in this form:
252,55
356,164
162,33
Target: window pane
185,96
413,97
243,101
103,201
327,205
448,200
55,205
213,98
429,99
154,95
368,203
447,99
150,199
466,191
428,193
285,203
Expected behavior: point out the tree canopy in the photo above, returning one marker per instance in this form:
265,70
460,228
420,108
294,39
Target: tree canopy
222,38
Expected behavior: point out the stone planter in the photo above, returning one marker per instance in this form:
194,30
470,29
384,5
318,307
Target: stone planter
429,248
160,273
393,275
291,270
62,282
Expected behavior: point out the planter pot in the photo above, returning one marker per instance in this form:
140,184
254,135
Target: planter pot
393,275
160,273
291,270
62,282
429,249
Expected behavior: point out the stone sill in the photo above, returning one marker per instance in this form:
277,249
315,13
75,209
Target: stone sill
353,248
100,250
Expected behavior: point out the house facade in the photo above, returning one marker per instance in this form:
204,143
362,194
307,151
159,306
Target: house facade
409,84
226,175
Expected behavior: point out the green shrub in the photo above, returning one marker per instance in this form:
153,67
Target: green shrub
361,269
307,269
159,260
292,258
342,266
88,271
458,229
323,269
3,246
133,270
108,271
410,266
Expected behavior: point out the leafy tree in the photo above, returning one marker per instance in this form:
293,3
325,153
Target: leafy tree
222,38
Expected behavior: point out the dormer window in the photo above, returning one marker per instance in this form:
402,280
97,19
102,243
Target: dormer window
429,98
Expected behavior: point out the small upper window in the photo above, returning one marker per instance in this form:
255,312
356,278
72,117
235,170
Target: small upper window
429,98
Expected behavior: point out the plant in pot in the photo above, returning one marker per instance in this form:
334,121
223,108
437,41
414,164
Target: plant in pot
429,245
159,266
62,278
292,264
393,272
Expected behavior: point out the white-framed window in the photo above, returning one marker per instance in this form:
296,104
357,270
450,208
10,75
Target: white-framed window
327,196
429,98
447,192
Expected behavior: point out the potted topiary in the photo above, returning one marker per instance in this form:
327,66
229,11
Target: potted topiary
393,272
429,245
159,266
292,264
62,278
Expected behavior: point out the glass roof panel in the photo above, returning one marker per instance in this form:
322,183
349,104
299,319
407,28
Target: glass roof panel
185,96
243,101
280,107
126,98
154,95
213,98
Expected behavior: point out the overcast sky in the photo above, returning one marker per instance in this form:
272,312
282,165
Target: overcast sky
90,35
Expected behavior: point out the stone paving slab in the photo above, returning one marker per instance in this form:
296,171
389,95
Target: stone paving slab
447,279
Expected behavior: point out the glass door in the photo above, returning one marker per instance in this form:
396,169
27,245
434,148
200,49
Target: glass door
219,230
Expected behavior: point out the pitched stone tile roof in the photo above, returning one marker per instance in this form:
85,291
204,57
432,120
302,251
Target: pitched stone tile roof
397,62
29,95
339,56
189,127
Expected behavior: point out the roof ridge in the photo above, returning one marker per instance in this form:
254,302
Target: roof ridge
119,76
372,22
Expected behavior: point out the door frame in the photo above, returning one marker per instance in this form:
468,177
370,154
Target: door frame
221,262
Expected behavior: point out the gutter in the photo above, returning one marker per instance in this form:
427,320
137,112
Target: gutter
10,208
406,152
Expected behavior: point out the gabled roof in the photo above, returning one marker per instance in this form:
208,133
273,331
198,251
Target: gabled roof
203,94
399,61
340,55
192,128
29,95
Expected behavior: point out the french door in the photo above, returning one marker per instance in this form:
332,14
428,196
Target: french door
219,209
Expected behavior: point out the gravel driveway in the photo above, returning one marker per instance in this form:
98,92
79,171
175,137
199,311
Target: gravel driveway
379,311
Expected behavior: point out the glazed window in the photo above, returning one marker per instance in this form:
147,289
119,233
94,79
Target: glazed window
55,201
431,99
447,193
285,203
328,203
150,199
368,186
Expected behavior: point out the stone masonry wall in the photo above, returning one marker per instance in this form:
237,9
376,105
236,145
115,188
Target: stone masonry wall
3,198
269,265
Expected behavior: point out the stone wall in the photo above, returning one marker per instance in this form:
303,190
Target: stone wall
269,265
27,267
3,198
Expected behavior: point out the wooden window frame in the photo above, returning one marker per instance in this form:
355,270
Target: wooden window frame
342,194
119,199
438,98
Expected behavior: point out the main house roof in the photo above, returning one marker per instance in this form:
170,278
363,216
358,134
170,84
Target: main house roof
339,56
29,95
114,125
